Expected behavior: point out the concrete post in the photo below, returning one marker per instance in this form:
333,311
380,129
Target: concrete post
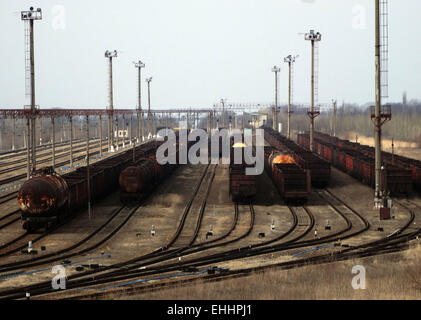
87,167
100,136
289,100
312,99
28,149
53,142
71,140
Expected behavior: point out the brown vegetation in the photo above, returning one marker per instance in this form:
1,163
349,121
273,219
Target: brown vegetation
392,276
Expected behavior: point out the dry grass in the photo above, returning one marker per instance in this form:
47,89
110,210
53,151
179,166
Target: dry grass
167,200
393,276
387,143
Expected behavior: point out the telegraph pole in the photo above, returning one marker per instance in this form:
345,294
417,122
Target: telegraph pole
139,65
313,37
110,55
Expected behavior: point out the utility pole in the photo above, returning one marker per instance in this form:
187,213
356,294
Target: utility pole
276,70
149,80
29,17
110,55
313,37
290,60
139,65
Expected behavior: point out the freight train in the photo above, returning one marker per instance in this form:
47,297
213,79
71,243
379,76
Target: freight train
292,181
48,198
399,173
319,168
138,180
242,186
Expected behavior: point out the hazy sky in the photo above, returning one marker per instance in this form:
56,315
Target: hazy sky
199,51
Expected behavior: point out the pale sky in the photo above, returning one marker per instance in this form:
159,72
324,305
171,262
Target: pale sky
199,51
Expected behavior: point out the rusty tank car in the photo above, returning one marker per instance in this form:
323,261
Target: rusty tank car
41,197
136,180
47,198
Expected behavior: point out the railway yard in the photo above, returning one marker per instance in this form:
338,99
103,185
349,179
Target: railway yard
188,229
235,200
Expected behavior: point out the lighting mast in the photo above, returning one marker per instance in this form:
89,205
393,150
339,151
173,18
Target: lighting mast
290,60
110,55
139,65
313,113
29,17
276,70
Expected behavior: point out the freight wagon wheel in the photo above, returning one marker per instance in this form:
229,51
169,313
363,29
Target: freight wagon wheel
51,224
26,226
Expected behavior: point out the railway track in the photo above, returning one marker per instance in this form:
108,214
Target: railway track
58,164
66,252
191,244
9,219
63,154
385,245
126,212
257,249
7,197
25,264
59,151
206,260
22,151
233,274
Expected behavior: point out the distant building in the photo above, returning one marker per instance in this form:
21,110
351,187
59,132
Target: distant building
258,120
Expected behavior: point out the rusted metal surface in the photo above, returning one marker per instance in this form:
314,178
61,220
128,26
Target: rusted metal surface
400,173
49,195
242,186
292,181
137,179
65,111
43,195
318,167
